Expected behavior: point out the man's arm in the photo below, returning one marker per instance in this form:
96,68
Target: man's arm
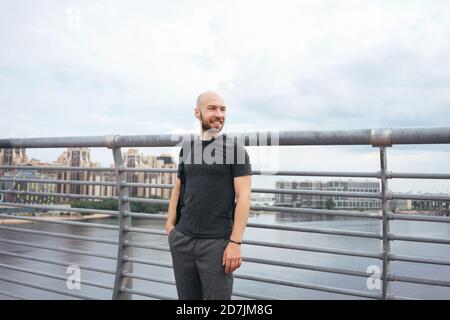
232,258
172,211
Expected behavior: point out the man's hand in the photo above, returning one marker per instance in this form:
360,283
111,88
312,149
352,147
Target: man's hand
169,228
232,258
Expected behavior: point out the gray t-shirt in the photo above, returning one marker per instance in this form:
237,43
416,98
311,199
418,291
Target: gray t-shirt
209,197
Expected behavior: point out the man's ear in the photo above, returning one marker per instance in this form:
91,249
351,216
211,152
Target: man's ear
197,112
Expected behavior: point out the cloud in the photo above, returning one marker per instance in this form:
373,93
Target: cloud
92,67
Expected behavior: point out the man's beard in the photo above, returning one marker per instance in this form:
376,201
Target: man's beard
207,126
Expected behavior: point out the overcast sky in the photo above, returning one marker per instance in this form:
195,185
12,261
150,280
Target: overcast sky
73,68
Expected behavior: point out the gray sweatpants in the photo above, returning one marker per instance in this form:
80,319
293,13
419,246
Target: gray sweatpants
198,269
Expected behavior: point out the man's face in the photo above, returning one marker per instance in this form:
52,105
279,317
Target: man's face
211,113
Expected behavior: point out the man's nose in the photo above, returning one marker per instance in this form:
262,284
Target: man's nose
219,113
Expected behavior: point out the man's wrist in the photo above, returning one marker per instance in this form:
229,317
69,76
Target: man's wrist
236,242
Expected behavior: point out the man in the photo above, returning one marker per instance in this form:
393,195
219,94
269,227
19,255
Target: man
206,243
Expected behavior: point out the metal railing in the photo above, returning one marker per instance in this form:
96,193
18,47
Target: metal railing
123,273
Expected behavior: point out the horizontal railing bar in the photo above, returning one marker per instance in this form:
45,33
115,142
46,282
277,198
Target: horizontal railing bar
362,234
49,275
45,288
397,175
58,208
407,196
172,282
145,230
170,170
373,255
145,200
143,277
48,168
394,297
89,183
346,174
308,267
276,173
415,217
368,195
395,257
70,223
147,185
309,286
146,246
346,194
60,195
418,239
50,181
155,170
424,135
147,278
369,214
278,227
10,295
55,262
252,296
440,283
157,216
259,208
146,294
316,249
268,262
80,252
285,228
59,235
148,262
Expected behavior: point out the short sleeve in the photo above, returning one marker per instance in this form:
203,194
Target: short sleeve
241,166
180,167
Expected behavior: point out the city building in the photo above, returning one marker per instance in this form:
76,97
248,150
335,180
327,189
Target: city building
324,201
28,186
76,157
134,159
81,157
12,157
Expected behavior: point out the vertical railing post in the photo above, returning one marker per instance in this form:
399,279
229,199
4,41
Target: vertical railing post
123,250
385,209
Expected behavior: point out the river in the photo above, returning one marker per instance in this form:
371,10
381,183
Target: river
425,229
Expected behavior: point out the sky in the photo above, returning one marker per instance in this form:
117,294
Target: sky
79,68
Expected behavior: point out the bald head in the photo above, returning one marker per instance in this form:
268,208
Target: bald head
209,97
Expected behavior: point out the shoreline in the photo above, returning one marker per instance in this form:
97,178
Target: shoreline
7,221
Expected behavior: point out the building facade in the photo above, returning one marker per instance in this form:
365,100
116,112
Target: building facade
134,159
12,157
323,201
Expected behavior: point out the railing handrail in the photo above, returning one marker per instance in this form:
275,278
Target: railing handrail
374,137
